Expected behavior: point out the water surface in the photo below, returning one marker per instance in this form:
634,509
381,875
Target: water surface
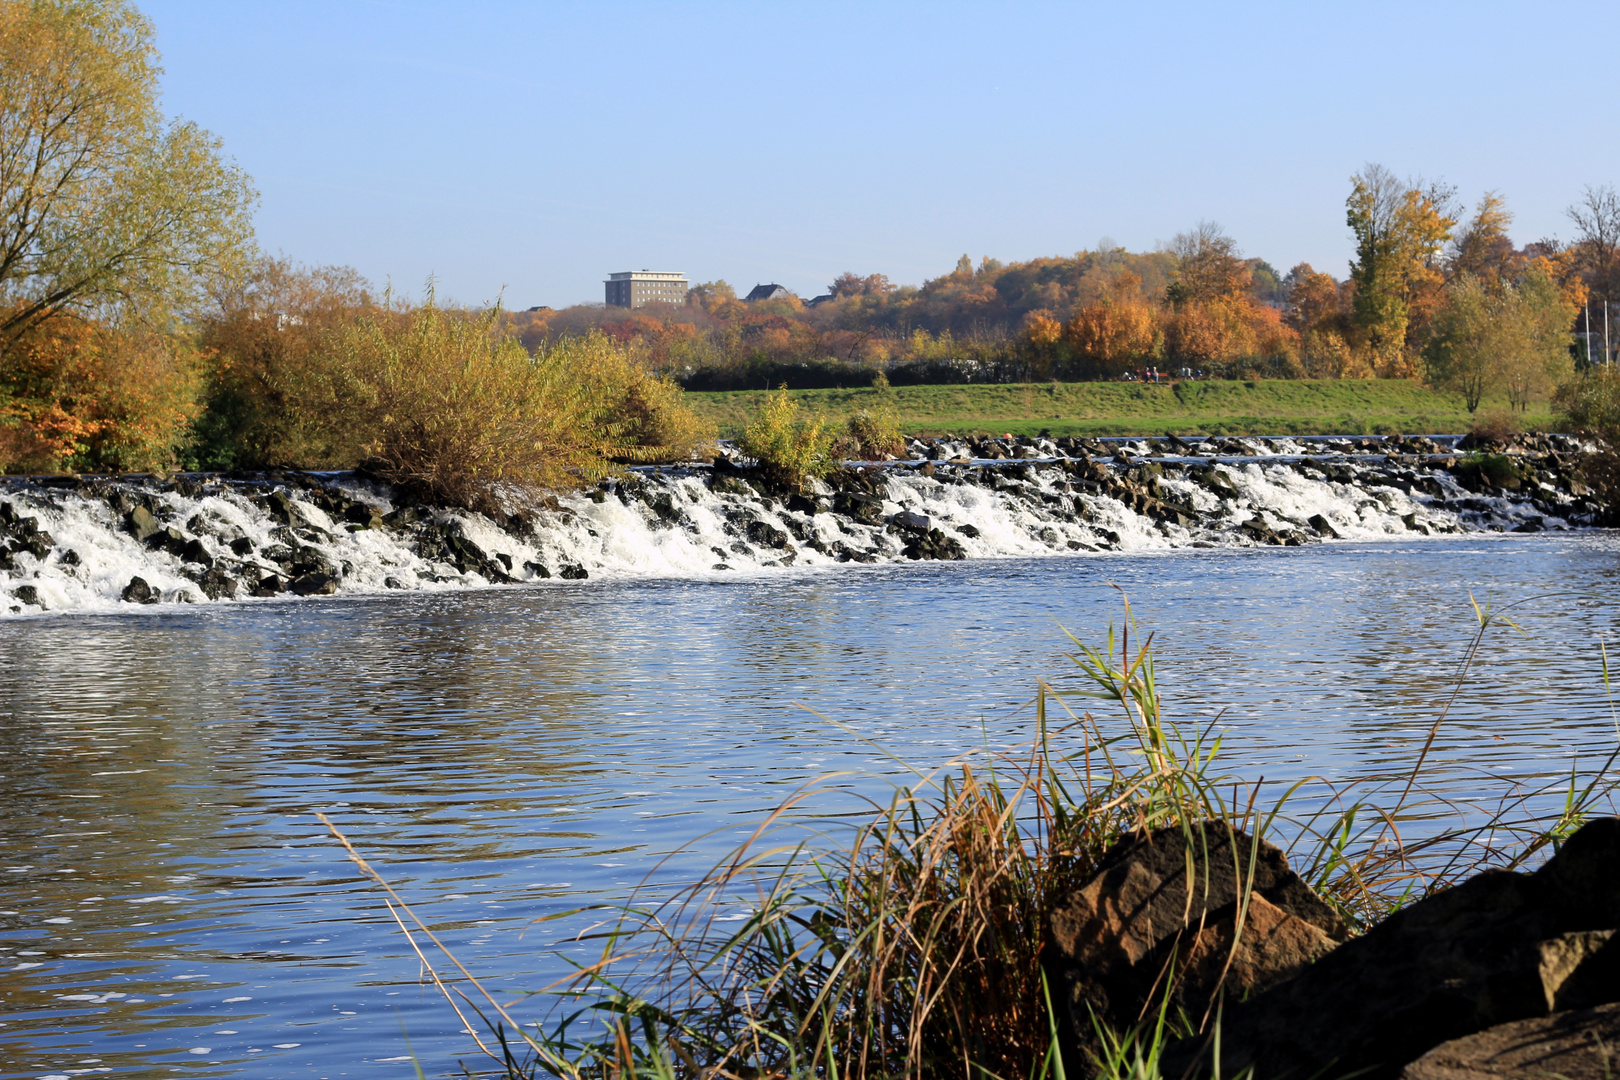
169,905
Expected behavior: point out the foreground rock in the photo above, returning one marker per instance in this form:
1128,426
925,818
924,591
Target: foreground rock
1203,912
1579,1045
1500,948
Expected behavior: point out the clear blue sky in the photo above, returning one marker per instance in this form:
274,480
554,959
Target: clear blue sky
537,148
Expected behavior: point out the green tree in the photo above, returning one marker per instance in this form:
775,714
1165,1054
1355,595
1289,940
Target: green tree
106,210
1400,229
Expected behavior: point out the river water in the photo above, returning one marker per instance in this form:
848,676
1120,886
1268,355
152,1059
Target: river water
170,906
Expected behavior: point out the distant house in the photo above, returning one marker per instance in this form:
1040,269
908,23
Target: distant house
768,292
817,301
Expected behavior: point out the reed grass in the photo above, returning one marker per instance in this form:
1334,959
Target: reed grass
912,945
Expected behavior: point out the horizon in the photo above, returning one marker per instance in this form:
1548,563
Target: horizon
526,154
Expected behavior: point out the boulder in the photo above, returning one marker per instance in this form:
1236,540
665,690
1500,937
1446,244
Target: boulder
911,522
573,572
313,584
140,524
1501,947
766,535
1583,1044
28,594
138,592
934,544
1206,910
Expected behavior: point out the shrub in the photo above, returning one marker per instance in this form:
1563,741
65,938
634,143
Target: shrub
789,449
448,407
269,397
1497,426
873,432
78,395
645,416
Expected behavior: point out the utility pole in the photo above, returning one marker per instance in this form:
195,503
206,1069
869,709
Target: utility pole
1608,357
1586,332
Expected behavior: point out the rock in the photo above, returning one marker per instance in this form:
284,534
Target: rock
1162,901
313,584
138,592
866,509
537,569
270,585
1323,527
934,545
1498,948
215,583
28,594
573,572
140,524
192,551
1583,1044
242,546
71,558
911,522
766,535
969,531
364,515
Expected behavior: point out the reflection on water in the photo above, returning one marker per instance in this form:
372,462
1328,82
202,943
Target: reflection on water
168,902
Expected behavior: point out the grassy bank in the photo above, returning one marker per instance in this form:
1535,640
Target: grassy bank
1262,407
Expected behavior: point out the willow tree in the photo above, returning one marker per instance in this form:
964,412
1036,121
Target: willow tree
107,210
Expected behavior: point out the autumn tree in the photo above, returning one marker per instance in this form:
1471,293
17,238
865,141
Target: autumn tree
106,210
1208,266
1481,247
709,295
1400,228
1117,328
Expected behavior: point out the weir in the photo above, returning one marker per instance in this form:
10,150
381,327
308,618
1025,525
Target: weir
106,544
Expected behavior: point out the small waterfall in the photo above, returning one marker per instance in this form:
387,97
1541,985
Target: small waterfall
109,544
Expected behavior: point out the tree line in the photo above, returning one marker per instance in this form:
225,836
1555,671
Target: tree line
1435,292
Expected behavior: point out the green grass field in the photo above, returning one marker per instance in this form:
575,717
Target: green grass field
1261,407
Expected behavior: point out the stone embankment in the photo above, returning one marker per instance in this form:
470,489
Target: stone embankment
1506,974
70,542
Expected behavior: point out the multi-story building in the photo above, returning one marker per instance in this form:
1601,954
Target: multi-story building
635,288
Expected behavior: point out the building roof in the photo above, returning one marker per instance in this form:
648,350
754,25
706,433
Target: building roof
766,292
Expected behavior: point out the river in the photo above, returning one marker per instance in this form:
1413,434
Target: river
169,904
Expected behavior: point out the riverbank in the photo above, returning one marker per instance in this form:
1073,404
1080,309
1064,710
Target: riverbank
1213,407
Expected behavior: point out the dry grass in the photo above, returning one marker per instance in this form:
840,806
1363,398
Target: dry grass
912,946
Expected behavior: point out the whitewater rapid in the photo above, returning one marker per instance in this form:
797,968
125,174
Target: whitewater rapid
85,545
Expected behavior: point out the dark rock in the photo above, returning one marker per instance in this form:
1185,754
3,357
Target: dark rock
138,592
969,531
28,594
1163,904
216,584
804,504
866,509
194,552
140,524
364,515
573,572
313,584
1576,1045
1498,948
405,515
1323,526
766,535
911,522
242,546
71,558
934,544
537,569
270,585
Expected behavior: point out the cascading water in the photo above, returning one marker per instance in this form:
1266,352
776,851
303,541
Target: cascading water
101,544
